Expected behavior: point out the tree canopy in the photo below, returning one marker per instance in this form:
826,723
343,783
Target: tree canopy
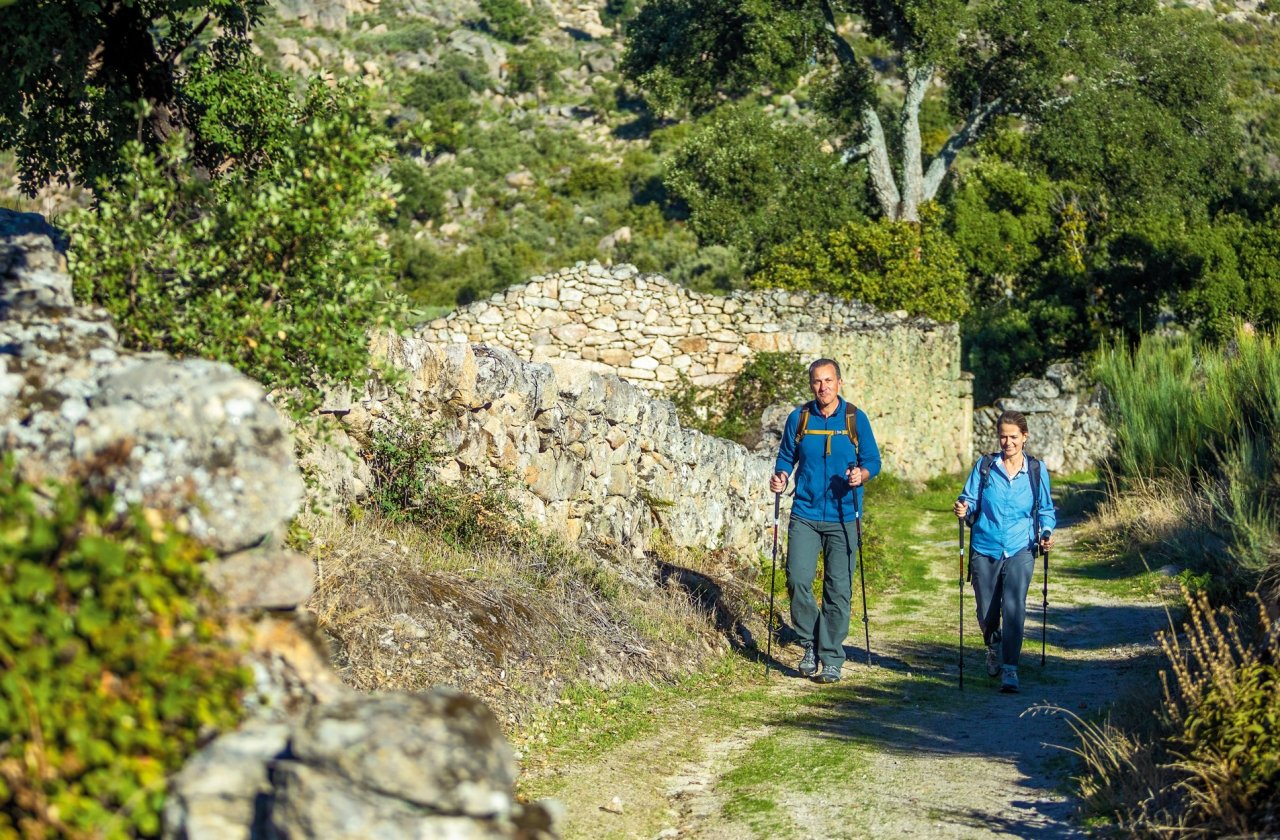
85,78
1116,92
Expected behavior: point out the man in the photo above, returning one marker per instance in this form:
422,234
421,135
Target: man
830,469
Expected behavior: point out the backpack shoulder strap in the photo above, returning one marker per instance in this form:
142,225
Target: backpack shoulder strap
1033,475
851,425
804,423
984,473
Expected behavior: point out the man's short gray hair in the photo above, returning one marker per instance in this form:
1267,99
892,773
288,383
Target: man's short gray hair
824,363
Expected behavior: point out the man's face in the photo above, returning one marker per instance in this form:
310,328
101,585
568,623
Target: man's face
825,384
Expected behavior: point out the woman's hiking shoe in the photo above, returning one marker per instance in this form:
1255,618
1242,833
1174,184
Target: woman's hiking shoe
993,659
808,664
829,674
1009,679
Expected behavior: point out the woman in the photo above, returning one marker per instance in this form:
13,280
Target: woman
1007,504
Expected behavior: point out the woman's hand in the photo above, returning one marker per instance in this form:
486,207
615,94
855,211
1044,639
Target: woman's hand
960,509
1046,542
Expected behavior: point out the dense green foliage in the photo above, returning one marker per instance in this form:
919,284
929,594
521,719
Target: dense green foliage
276,271
113,669
890,265
752,183
86,78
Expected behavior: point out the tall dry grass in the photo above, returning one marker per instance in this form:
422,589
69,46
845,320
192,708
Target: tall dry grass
1210,764
451,584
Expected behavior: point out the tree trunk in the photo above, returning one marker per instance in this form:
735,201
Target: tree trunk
918,79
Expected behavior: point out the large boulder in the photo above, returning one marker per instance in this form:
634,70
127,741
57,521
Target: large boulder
194,439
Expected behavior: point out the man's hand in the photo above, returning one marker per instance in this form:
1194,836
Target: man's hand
778,482
1046,541
961,509
856,476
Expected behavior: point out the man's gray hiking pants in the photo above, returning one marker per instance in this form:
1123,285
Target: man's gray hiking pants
825,629
1000,588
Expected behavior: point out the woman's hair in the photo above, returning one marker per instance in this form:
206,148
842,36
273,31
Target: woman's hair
1012,418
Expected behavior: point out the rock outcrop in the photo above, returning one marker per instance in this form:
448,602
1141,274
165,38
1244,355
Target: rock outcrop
1064,415
200,445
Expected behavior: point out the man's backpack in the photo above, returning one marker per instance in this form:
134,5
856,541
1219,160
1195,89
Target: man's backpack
850,427
1033,473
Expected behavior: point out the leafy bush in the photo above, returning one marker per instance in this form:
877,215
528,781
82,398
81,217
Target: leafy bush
420,199
510,20
1235,276
890,265
276,271
426,90
113,668
535,68
734,410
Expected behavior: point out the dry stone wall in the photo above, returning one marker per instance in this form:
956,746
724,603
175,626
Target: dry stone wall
904,372
590,455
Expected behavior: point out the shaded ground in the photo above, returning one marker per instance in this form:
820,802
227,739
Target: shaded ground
893,750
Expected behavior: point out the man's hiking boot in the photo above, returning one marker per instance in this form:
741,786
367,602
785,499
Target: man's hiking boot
1009,679
993,659
829,674
808,664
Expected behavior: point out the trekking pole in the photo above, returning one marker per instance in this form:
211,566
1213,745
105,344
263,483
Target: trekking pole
961,521
773,577
866,626
1044,608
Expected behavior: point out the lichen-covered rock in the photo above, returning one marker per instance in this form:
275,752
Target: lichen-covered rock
1068,429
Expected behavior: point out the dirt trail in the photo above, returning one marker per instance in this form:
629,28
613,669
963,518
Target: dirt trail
917,757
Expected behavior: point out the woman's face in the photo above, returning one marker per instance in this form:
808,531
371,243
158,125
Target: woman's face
1011,440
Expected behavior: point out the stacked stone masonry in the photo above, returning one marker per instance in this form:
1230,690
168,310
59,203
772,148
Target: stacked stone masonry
590,455
904,372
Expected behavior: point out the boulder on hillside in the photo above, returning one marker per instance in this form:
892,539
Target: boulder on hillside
193,439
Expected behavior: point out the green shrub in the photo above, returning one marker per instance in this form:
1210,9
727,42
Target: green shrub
113,668
591,177
276,271
890,265
510,20
535,68
733,411
752,184
420,199
427,90
617,12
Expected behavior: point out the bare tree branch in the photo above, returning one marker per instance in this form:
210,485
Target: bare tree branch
979,115
879,167
844,51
